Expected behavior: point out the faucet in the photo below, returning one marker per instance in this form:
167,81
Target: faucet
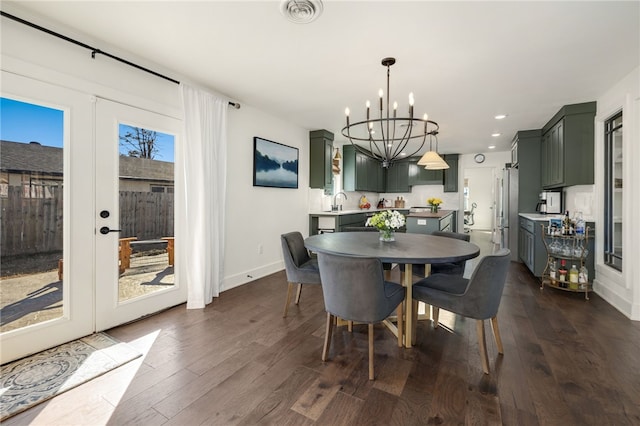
334,206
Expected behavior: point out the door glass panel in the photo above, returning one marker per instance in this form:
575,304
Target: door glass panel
146,165
31,214
613,192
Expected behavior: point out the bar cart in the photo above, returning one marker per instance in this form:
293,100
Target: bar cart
564,252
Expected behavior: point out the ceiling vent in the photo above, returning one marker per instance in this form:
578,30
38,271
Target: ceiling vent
301,11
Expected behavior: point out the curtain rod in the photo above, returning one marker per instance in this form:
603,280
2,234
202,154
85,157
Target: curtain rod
95,51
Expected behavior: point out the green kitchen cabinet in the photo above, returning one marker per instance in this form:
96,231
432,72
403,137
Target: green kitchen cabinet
360,172
320,160
450,178
418,175
528,145
398,177
567,147
552,156
531,249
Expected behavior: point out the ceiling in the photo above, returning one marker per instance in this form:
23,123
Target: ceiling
465,62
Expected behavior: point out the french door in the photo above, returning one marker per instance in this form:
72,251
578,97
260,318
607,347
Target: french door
87,221
134,197
47,217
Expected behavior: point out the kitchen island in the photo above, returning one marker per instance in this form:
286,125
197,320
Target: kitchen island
335,221
423,221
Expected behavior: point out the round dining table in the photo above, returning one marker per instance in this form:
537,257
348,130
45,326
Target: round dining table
407,249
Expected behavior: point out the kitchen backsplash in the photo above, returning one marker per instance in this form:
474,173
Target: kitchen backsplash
416,198
580,198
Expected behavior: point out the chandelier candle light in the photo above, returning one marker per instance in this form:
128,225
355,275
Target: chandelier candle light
389,135
387,222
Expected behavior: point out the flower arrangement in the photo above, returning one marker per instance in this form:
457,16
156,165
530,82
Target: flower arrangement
386,222
434,202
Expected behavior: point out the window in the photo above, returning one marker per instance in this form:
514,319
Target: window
613,192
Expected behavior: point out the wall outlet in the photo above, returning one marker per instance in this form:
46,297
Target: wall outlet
260,249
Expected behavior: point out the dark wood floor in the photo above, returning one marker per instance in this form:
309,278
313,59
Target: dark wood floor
567,361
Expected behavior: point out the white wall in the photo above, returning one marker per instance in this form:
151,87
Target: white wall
484,176
621,289
257,216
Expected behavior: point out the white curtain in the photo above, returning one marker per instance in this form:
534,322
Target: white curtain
203,166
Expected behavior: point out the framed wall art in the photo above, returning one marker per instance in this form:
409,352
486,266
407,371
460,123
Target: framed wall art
274,164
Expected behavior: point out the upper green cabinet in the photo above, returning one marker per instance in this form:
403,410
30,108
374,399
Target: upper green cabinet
320,156
527,145
450,178
398,177
360,172
566,151
418,175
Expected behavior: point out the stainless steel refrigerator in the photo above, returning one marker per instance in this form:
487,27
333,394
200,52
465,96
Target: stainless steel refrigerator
508,205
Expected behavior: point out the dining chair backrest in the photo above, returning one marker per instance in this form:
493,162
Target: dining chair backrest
299,266
484,291
456,235
293,245
369,229
451,268
354,288
359,229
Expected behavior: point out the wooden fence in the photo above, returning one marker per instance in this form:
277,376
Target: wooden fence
146,215
34,225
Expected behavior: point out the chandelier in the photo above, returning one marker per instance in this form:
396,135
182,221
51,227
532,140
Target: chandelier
389,135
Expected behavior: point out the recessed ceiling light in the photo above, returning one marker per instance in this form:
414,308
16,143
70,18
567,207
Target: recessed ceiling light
500,116
492,146
495,135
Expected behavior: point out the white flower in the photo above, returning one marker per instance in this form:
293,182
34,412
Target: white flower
385,220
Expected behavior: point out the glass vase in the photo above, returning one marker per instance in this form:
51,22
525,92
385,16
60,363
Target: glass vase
387,235
434,209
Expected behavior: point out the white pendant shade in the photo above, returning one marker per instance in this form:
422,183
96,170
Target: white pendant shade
437,166
432,161
429,157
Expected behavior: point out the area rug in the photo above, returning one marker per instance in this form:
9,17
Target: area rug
37,378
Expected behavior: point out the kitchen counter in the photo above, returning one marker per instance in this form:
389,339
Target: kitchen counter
540,217
427,213
320,221
352,211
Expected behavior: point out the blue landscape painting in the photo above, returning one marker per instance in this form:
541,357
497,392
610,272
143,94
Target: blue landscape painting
274,164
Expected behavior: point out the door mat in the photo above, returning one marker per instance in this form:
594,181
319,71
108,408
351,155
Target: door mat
39,377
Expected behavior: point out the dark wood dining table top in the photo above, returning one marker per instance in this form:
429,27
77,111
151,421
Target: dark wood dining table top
407,247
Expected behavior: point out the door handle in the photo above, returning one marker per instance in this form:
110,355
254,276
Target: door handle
105,230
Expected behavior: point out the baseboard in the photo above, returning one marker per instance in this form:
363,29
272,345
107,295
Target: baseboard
616,300
236,280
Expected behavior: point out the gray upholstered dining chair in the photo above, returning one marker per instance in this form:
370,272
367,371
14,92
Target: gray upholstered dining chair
386,266
477,297
299,266
354,289
453,268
